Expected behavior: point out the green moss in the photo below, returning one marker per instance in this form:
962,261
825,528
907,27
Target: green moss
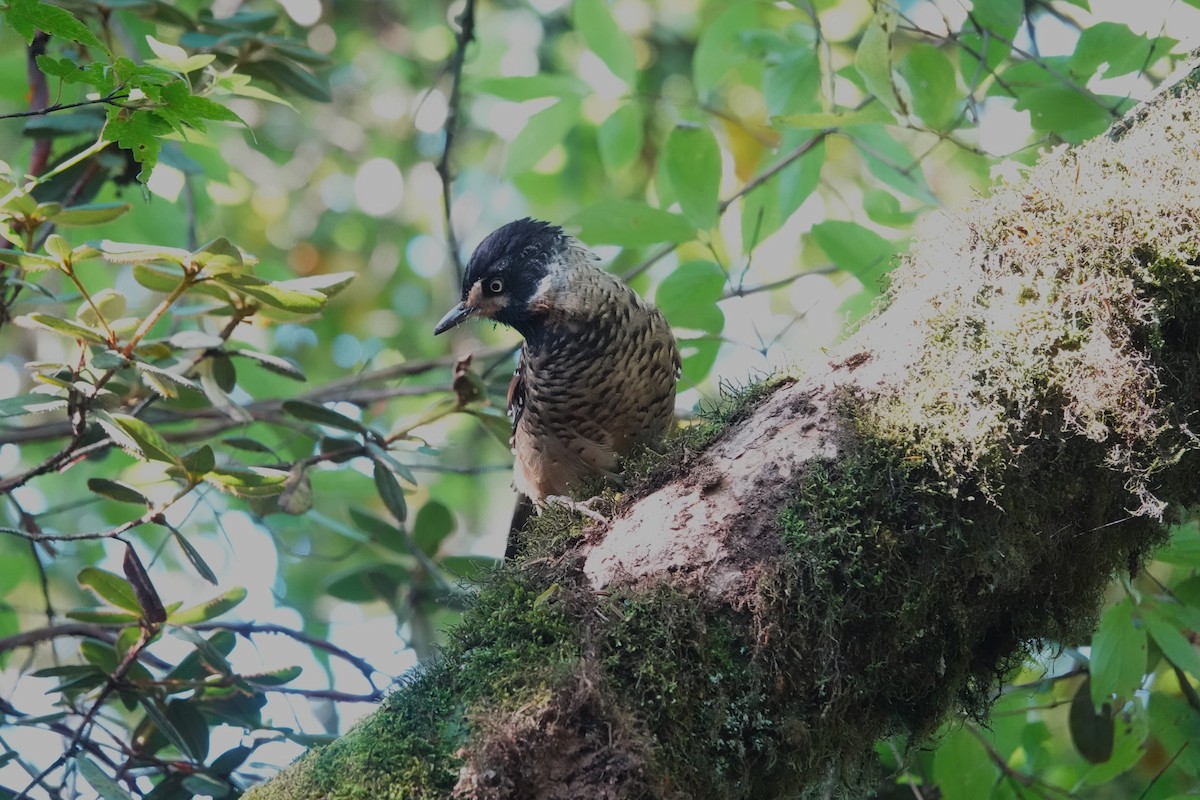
513,645
688,673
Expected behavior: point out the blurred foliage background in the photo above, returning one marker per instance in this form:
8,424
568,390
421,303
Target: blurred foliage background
242,487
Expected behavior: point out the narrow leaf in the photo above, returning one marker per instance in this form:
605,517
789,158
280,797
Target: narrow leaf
99,780
60,326
631,224
194,558
1118,660
390,492
94,214
116,490
210,609
110,587
143,588
150,442
694,169
312,412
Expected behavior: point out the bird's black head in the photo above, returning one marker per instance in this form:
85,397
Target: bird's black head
504,273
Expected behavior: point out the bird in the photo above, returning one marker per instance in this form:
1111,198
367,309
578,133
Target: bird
596,375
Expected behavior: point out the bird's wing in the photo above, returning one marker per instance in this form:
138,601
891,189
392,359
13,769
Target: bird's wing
516,390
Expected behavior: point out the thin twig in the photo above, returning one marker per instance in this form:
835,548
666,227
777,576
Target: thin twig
782,164
130,658
466,34
110,99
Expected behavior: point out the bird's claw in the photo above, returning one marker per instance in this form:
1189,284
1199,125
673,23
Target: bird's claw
584,507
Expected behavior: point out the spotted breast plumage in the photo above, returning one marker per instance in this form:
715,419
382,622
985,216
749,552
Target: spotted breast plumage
597,374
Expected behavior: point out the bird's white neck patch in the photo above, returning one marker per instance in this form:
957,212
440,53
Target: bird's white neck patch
545,287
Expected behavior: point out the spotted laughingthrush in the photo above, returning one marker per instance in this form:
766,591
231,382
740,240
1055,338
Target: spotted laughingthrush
596,376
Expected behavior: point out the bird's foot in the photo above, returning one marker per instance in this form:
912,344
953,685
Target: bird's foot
584,507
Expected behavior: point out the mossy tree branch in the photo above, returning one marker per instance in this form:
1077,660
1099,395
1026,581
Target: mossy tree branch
865,549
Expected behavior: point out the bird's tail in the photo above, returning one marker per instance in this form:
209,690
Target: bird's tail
516,531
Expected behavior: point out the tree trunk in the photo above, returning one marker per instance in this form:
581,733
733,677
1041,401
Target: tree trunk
863,549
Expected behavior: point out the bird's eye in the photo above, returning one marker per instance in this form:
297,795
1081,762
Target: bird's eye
495,286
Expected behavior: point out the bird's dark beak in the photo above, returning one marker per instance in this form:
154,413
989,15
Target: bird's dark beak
455,316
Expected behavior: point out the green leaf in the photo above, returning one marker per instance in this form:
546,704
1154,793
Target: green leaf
433,524
143,587
140,133
931,80
60,326
249,445
1115,45
630,224
1065,112
852,247
194,558
115,490
873,58
312,412
149,443
163,724
495,421
698,355
891,162
30,262
593,20
543,131
1001,17
1167,635
218,256
1183,547
1091,727
210,609
277,677
721,46
94,214
961,767
327,283
157,279
1130,729
883,208
694,169
99,780
110,587
276,364
104,617
199,462
209,656
30,404
688,296
133,253
1118,660
367,584
101,654
200,784
469,568
792,84
287,75
230,760
26,15
531,87
273,294
619,137
192,727
164,382
248,483
390,492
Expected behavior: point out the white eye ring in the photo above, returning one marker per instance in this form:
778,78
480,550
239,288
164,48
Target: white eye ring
495,286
